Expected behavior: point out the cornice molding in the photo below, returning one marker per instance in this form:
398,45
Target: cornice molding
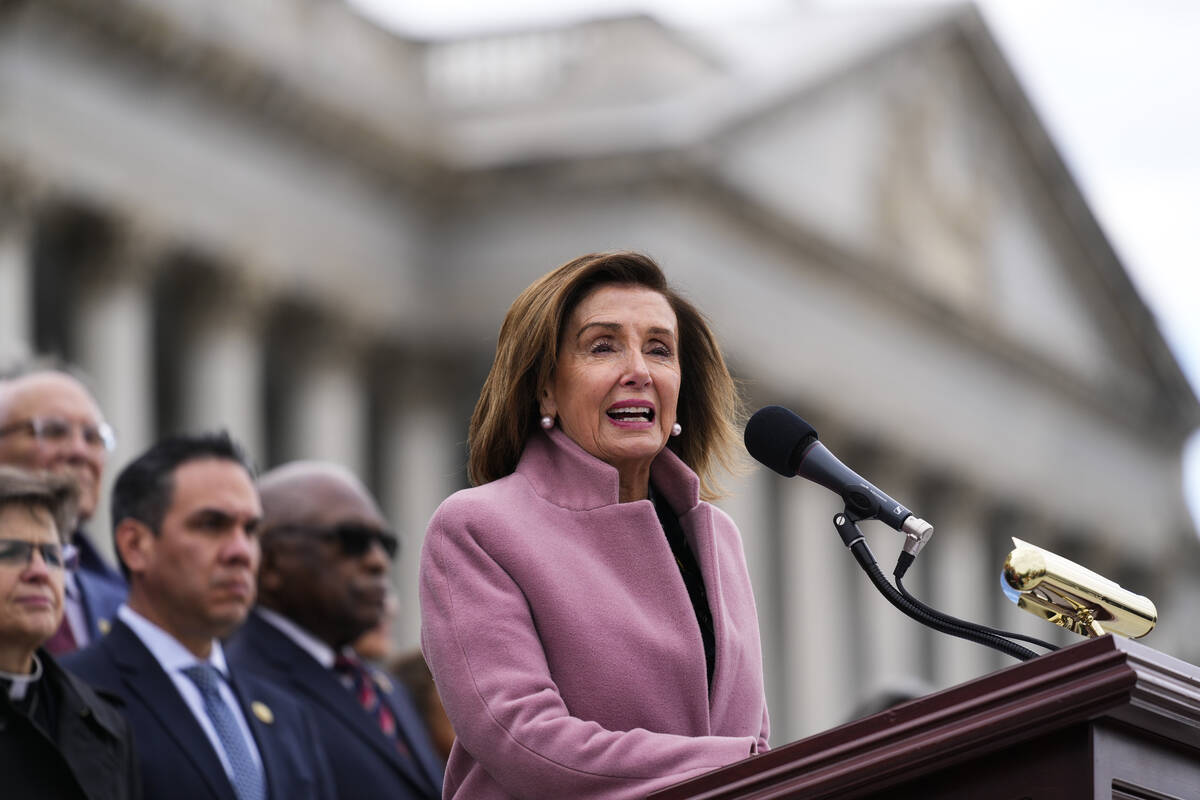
886,280
250,84
22,194
688,171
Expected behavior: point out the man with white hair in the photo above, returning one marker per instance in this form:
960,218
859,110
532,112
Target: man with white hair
49,422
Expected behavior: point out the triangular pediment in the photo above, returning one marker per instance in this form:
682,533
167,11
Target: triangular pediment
922,164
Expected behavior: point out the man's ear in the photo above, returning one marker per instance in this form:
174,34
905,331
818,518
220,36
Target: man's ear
135,543
270,579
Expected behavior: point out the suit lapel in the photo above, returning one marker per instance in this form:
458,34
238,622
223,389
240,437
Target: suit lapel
89,595
310,679
261,719
412,728
87,599
145,679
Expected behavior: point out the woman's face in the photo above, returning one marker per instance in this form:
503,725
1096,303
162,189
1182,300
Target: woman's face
616,385
31,592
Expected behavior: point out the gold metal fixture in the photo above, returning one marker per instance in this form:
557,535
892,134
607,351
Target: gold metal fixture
1073,597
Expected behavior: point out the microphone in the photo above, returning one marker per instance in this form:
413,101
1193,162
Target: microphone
787,444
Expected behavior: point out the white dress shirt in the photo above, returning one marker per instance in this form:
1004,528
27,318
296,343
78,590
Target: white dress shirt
323,653
174,659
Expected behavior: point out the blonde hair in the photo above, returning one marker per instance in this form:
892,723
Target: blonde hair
709,407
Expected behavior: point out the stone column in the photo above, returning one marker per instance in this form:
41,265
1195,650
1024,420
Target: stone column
963,583
420,459
891,659
750,505
16,270
819,629
222,362
326,400
112,340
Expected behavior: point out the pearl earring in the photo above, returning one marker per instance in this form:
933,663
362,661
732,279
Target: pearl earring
676,429
547,422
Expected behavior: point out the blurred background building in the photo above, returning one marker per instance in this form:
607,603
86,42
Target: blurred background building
279,218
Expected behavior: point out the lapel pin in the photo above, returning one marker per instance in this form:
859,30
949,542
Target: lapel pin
262,712
104,626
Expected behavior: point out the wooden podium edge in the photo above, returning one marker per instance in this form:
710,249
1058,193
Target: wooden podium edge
1105,677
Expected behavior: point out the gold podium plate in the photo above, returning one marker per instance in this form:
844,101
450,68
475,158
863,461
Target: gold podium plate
1072,596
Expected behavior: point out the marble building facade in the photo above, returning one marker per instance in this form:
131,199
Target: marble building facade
280,219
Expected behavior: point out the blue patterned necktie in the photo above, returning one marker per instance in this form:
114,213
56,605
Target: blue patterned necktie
247,777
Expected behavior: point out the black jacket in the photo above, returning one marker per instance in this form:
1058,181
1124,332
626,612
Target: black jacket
92,756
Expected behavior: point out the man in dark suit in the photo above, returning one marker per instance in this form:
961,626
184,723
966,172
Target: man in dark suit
50,422
185,520
323,581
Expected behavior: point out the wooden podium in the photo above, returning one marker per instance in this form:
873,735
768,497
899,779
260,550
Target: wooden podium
1105,718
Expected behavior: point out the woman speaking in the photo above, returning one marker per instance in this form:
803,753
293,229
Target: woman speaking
588,619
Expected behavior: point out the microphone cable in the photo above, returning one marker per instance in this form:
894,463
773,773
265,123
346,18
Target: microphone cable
902,565
847,527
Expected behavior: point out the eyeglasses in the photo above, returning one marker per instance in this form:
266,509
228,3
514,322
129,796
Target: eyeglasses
354,540
19,553
58,431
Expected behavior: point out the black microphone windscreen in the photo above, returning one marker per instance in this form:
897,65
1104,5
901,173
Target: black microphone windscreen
772,436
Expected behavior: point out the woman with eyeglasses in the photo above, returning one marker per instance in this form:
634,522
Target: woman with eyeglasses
57,737
586,614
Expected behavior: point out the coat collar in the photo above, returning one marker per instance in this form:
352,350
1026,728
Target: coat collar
82,700
563,473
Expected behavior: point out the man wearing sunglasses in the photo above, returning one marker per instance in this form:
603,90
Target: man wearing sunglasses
185,519
58,738
49,422
323,581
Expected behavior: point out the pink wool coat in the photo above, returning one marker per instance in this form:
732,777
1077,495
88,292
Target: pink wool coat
563,641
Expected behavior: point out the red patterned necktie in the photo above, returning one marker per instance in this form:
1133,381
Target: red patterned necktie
364,689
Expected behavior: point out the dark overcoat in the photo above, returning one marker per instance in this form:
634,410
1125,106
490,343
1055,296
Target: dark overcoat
91,757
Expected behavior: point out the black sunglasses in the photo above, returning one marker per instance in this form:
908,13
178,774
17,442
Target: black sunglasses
353,539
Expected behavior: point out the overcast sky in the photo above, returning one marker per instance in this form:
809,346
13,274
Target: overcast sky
1117,84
